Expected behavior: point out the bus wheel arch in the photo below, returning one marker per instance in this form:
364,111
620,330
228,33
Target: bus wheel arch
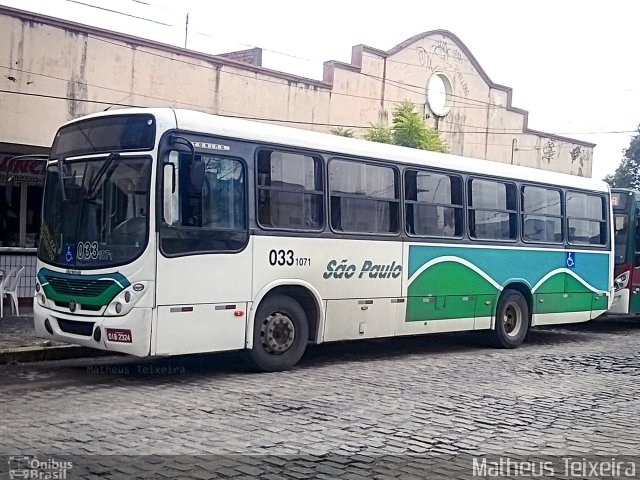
279,311
512,316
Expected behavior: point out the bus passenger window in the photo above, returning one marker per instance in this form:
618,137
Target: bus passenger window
541,215
365,198
492,210
586,219
433,204
290,191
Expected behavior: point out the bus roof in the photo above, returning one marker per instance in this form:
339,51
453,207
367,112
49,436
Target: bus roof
261,132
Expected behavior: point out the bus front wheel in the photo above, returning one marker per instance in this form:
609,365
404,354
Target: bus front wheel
280,333
512,320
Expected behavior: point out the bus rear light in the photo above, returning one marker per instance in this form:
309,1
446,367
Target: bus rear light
238,313
622,281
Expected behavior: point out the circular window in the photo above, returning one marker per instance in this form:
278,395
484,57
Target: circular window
438,94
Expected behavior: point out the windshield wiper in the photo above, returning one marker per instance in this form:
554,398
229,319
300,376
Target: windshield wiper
90,195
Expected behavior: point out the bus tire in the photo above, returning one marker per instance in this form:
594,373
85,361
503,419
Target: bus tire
280,334
512,320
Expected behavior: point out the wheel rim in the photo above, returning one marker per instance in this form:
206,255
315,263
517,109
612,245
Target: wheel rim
277,333
512,319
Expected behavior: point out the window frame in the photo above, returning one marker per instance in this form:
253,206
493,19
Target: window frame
406,202
316,156
604,221
562,216
471,209
398,200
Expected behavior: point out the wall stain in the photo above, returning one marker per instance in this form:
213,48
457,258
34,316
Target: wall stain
77,86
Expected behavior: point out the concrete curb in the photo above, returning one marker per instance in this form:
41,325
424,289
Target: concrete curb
38,353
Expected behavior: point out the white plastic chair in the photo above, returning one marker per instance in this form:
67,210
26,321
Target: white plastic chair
3,286
10,289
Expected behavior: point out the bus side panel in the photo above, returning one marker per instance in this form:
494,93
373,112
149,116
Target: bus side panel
200,328
634,288
459,282
197,298
360,280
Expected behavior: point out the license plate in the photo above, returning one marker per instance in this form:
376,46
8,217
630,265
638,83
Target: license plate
118,335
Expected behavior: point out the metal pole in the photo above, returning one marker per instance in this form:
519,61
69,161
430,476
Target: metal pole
186,31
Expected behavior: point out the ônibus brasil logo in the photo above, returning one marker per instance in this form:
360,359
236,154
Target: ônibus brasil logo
347,270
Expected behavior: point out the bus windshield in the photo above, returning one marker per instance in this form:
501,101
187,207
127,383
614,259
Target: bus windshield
621,237
98,216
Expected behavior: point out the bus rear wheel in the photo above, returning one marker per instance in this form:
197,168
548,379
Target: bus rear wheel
512,320
280,334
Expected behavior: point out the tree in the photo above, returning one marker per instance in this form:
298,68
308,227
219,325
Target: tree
407,129
627,175
342,132
379,133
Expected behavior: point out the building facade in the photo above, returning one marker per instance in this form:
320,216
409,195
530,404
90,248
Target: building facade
52,70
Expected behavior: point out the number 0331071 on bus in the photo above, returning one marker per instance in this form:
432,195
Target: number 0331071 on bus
171,232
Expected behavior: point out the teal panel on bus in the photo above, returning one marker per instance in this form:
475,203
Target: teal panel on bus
444,281
502,265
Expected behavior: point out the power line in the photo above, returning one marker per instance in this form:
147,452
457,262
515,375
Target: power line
484,130
266,80
480,103
399,85
299,122
121,13
28,72
102,87
219,113
470,105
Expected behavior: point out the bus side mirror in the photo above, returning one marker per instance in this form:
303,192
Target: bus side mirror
170,189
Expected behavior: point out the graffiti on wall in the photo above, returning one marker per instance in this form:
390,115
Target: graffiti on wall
585,159
549,150
442,57
575,153
581,158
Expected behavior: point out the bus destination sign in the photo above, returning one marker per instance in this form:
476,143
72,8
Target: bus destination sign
618,200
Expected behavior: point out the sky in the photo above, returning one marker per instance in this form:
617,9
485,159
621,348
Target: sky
573,65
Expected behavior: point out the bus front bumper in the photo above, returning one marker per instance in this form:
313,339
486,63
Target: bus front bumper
130,333
620,303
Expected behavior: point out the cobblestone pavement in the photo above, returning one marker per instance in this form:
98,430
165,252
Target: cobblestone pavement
17,331
357,409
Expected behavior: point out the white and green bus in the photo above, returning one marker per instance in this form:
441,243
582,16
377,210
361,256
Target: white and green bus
171,232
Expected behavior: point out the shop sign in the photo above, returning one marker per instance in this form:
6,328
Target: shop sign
22,170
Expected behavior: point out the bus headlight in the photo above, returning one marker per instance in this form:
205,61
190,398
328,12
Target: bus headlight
621,281
127,299
42,300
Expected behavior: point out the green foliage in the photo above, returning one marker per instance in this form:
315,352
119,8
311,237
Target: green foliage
627,175
342,132
379,133
408,129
